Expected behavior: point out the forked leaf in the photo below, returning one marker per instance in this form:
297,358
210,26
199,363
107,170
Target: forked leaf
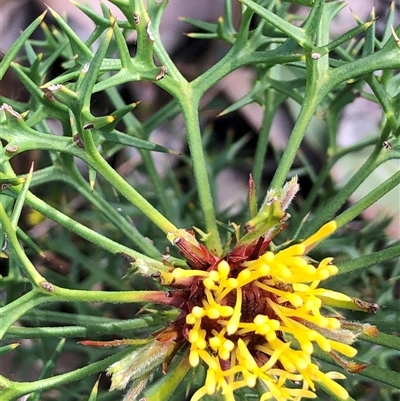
348,35
82,51
28,138
294,32
122,46
99,20
85,90
108,122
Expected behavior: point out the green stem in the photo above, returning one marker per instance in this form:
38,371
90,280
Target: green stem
384,100
386,340
81,185
92,236
311,100
69,319
241,54
15,251
13,390
165,60
67,295
189,105
343,195
11,312
368,200
19,303
364,261
135,127
90,330
240,57
325,171
123,187
385,59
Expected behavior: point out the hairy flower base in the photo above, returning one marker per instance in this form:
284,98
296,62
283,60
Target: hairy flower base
259,320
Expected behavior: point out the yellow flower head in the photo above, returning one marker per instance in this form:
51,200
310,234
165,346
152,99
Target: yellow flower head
255,315
258,321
